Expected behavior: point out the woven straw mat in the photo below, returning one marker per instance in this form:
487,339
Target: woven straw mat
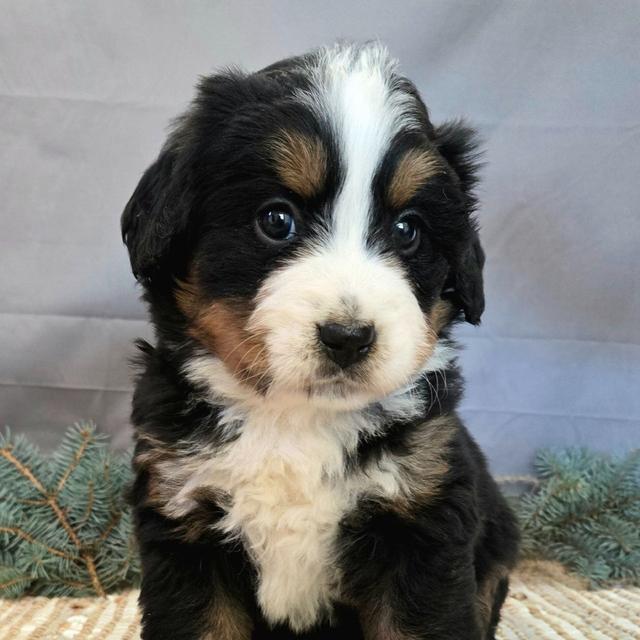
544,604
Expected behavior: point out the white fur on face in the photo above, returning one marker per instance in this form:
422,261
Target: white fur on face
332,284
341,279
353,94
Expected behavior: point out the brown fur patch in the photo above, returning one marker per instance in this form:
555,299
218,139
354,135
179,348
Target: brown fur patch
149,454
166,468
197,523
411,173
159,488
426,464
227,620
377,623
221,327
435,320
486,594
301,162
149,450
440,315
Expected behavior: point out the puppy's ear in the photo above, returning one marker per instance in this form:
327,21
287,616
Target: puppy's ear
466,289
155,217
458,144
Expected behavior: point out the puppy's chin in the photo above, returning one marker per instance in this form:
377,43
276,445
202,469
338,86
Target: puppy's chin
324,397
341,390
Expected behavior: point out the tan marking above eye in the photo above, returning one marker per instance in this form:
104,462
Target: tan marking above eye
412,172
300,161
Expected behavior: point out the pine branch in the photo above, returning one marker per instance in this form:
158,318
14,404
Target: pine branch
10,583
16,531
52,501
585,513
89,508
86,437
59,522
5,452
115,519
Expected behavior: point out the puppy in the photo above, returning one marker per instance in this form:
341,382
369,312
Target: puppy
305,241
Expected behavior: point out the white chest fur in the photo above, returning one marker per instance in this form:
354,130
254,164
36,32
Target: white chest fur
289,490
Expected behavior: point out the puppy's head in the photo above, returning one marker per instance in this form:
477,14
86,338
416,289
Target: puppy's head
310,228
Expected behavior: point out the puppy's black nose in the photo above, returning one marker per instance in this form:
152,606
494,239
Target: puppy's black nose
347,344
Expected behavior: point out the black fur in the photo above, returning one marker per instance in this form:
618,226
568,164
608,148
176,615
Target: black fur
196,206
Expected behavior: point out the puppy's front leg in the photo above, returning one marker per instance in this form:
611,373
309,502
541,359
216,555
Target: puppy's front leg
187,593
410,582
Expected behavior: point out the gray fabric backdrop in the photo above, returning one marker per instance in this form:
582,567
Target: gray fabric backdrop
87,89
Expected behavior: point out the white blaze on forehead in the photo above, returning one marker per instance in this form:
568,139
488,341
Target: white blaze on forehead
354,91
336,279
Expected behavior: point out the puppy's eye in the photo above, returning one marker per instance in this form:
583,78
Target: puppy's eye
406,234
276,222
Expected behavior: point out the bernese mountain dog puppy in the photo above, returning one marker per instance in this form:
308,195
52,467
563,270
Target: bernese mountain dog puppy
305,241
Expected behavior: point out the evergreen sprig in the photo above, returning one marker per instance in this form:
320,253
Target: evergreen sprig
65,529
585,513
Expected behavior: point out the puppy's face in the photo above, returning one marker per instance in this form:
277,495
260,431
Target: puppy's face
303,224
